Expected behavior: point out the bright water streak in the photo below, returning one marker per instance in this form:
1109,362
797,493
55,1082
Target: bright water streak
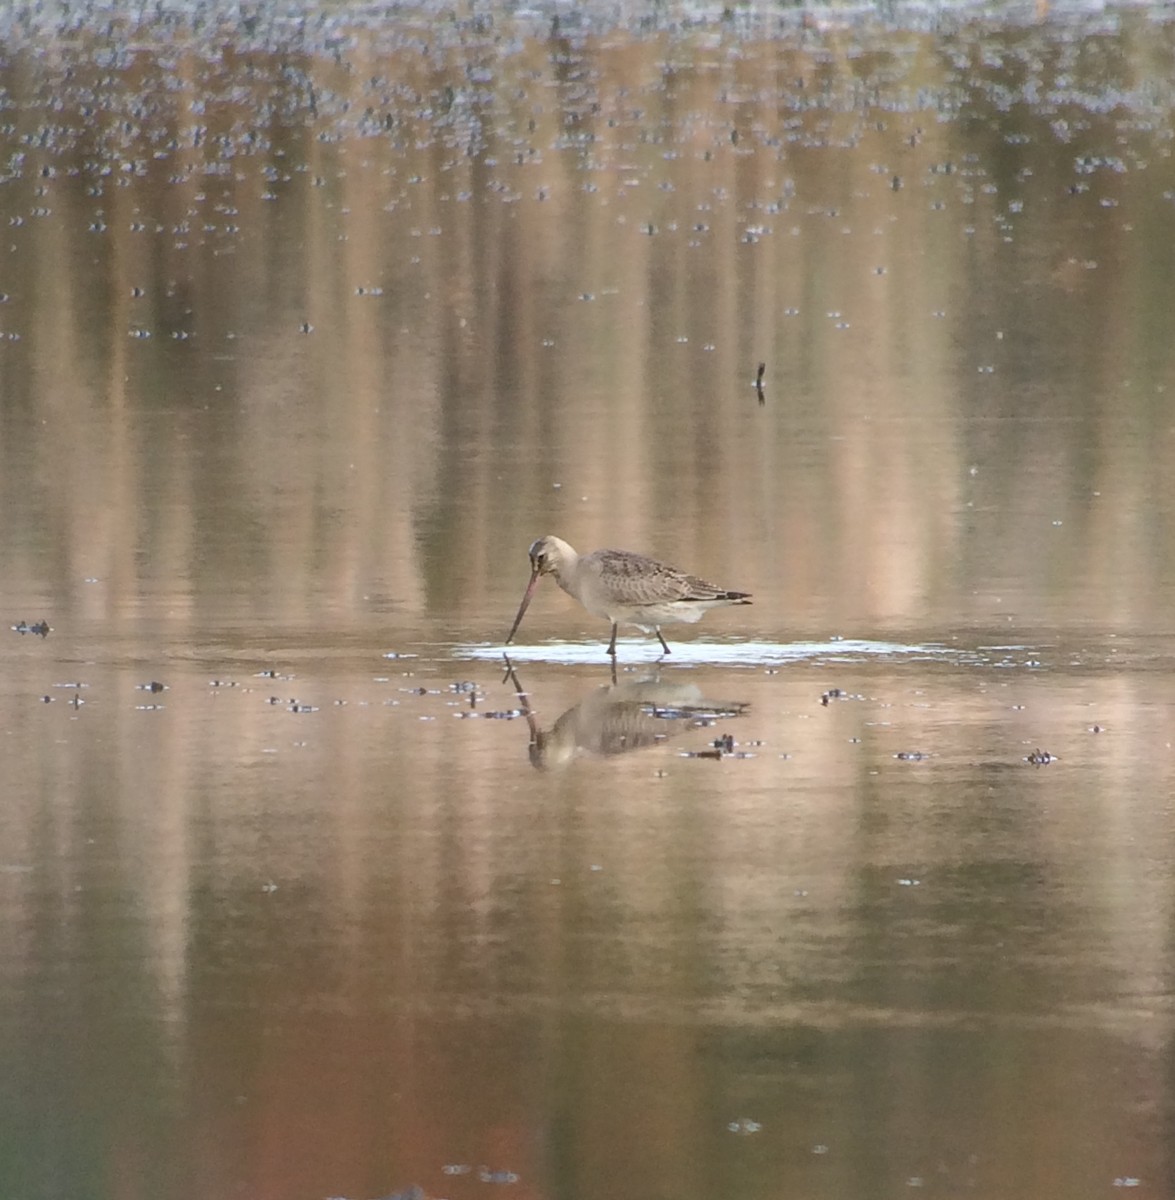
699,653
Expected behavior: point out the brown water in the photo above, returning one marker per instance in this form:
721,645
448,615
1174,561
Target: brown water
309,327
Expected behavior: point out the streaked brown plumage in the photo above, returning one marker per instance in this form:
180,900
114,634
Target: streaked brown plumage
624,588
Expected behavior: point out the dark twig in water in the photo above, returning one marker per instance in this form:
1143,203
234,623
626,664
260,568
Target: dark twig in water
39,628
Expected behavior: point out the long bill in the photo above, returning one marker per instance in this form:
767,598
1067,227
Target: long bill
530,587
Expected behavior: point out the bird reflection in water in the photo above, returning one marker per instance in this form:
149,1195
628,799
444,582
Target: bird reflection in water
619,717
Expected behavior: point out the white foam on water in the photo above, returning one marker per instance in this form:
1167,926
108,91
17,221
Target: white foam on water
698,653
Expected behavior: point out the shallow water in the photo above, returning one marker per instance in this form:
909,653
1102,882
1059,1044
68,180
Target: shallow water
310,323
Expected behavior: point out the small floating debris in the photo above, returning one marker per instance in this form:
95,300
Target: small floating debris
1040,758
720,747
467,687
488,1176
744,1126
40,629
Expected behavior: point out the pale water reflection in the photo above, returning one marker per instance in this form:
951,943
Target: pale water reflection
697,653
874,938
312,318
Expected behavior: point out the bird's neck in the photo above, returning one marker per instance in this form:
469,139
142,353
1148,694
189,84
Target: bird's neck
565,577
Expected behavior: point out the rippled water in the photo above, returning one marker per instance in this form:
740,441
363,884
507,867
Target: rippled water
312,319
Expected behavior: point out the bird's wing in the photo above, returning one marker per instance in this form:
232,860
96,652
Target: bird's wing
637,579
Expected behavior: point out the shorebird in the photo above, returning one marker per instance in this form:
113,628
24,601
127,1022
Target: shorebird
624,588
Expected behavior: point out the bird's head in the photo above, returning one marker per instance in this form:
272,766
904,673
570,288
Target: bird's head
547,555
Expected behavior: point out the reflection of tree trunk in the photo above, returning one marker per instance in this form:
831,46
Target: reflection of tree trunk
521,316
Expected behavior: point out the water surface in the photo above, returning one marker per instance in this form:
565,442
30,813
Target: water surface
311,321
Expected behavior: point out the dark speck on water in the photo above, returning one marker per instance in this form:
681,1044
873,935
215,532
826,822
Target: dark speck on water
38,628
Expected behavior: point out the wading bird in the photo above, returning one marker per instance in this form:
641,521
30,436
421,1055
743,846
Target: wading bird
624,588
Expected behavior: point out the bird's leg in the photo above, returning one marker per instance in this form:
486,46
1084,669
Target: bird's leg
536,734
664,644
612,643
